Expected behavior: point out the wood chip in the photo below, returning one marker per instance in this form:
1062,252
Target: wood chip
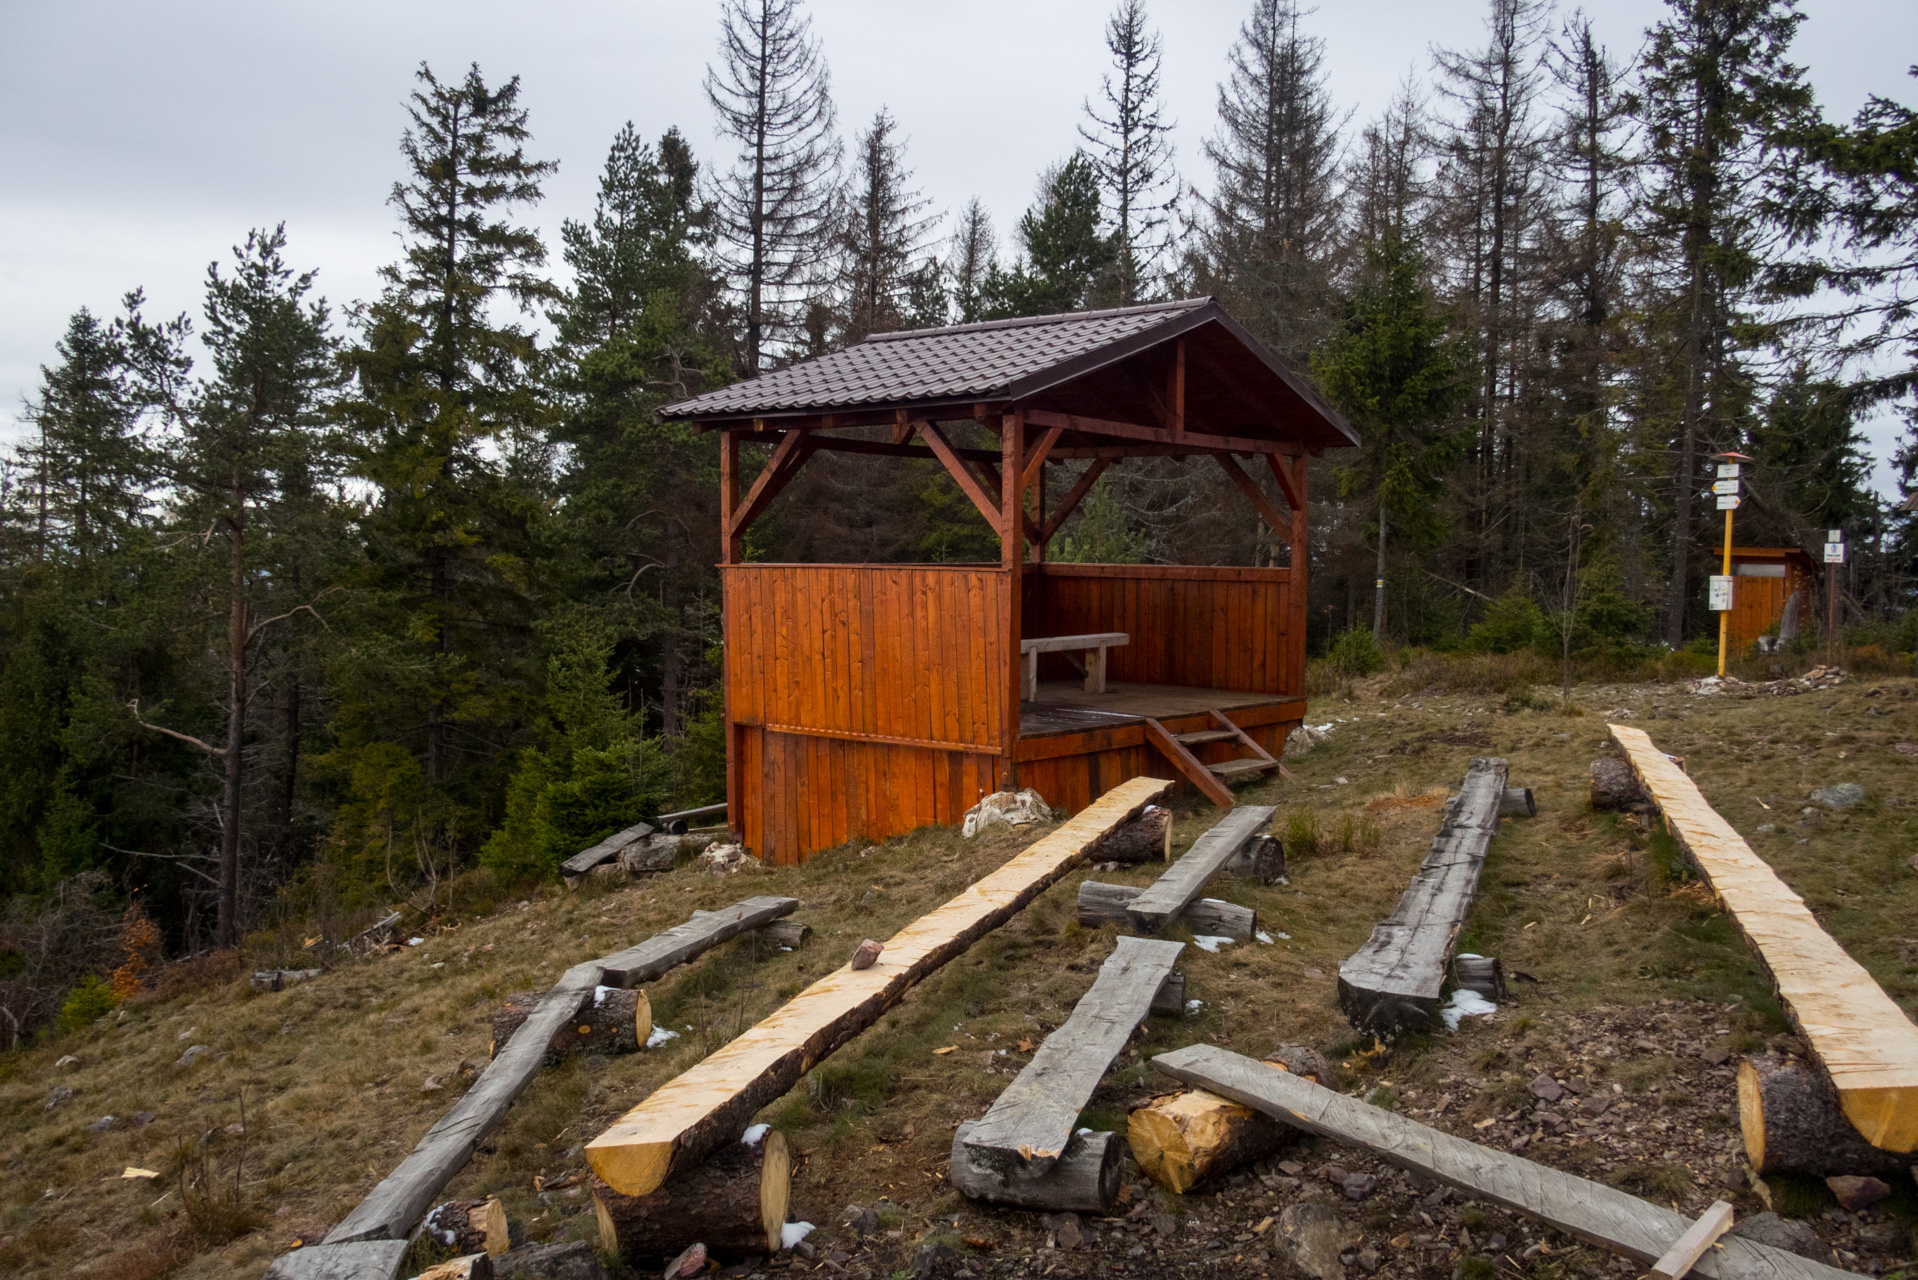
948,1049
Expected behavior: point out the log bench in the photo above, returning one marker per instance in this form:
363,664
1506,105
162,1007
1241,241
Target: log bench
1092,646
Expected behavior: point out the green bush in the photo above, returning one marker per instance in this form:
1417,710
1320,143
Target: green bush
88,1002
1513,622
1355,654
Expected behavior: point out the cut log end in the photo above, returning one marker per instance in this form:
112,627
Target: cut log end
1084,1179
1518,803
1792,1123
1182,1140
735,1203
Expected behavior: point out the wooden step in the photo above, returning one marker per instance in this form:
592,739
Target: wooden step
1233,768
1207,735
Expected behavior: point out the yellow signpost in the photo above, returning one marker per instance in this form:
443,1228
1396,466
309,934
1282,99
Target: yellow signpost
1725,488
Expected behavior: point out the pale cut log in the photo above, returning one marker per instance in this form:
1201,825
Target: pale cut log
613,1021
1518,803
1103,904
1027,1128
1600,1215
1690,1247
1083,1180
474,1266
1147,838
786,933
469,1226
1185,1138
606,850
350,1260
1615,789
1182,883
1170,1000
1865,1043
1392,983
395,1205
711,1104
735,1203
1792,1123
1260,860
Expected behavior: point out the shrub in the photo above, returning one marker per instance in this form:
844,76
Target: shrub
1513,622
90,1000
1355,654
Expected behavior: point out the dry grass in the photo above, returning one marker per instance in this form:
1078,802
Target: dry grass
1598,908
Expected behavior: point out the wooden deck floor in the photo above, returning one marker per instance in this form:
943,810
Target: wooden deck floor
1064,706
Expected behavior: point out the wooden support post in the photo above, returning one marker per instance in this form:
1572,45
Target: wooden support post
1391,984
1175,390
1184,880
1598,1214
1867,1045
1083,1180
1028,1128
1012,461
1793,1123
706,1107
1102,904
614,1021
728,495
734,1203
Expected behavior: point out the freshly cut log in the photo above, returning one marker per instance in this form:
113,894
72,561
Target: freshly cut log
1260,860
1169,895
351,1260
392,1208
1185,1138
1027,1128
1598,1214
1102,904
469,1226
1083,1180
474,1266
1518,803
1147,838
586,859
1615,789
614,1021
1866,1044
786,933
1392,983
1170,1001
734,1203
1793,1124
711,1104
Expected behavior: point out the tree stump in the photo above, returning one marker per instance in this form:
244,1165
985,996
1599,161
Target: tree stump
735,1203
615,1022
1084,1179
1186,1138
1147,838
469,1226
785,933
1616,789
1792,1124
1260,860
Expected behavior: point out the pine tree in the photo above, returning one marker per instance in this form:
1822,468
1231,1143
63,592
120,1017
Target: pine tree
1065,256
773,97
973,255
881,241
1273,214
1131,154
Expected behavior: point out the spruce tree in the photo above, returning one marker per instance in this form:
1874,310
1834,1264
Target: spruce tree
1131,154
773,211
973,255
1065,257
881,240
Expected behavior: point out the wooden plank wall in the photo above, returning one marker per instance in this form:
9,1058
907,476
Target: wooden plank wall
1757,603
865,700
1193,625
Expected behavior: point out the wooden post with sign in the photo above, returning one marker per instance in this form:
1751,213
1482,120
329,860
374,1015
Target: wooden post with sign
1725,489
1834,556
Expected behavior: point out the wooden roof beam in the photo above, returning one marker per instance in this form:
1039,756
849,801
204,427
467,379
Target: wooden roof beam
1073,498
1280,524
962,475
788,457
1156,435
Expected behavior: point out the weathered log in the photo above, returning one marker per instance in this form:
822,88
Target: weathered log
1085,1179
1483,974
1392,983
650,855
576,867
1170,1000
707,1106
1147,838
1184,880
786,933
1031,1123
1103,904
1260,860
469,1226
1793,1124
1185,1138
1616,789
614,1021
276,979
735,1203
347,1260
1518,803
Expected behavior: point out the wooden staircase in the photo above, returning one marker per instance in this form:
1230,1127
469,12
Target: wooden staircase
1212,779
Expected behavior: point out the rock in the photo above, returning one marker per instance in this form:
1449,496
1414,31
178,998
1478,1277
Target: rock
1065,1230
1496,1244
725,859
1596,1104
1546,1088
1300,741
1855,1193
574,1260
1369,1259
1359,1186
103,1124
58,1094
193,1053
1842,795
1310,1237
865,955
67,1063
1884,1237
860,1222
1014,808
689,1263
1163,1223
932,1259
1785,1233
1303,1060
141,1119
1912,862
432,1084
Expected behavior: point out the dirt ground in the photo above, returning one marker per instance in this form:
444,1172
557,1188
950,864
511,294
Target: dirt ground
1636,1001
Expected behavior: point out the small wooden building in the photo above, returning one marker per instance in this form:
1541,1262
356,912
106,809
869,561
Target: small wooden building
866,700
1766,581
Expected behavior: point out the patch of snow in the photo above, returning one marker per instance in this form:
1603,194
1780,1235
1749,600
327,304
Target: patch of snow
1210,942
1193,1006
660,1036
599,995
754,1133
1465,1004
793,1232
1264,937
414,942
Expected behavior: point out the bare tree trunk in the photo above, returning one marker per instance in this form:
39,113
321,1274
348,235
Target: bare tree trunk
227,927
1682,482
1378,589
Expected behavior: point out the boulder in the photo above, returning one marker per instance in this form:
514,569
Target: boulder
1855,1193
1310,1237
1014,808
1841,795
1785,1233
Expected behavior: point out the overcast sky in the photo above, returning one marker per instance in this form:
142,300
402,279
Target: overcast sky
141,140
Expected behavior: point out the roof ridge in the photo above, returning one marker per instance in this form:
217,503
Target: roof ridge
1057,317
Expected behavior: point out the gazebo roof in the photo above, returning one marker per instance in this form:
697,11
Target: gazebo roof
1053,361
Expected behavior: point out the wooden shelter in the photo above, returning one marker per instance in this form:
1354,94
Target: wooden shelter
1767,578
872,699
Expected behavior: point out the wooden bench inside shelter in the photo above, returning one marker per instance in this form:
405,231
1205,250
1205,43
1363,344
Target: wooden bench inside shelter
1092,648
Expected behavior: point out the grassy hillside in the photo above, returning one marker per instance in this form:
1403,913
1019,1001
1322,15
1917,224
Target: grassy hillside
304,1098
